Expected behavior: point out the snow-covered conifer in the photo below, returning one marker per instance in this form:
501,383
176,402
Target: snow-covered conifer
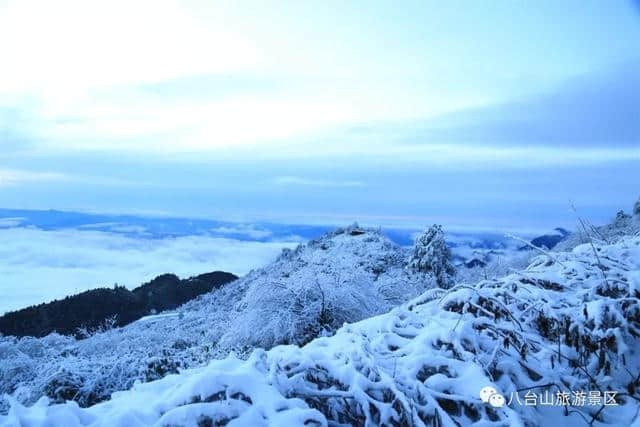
432,255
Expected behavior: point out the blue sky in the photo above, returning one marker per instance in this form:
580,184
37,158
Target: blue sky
479,114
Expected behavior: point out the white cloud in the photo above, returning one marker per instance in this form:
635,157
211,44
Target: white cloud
244,229
100,225
68,61
141,124
10,222
302,181
38,266
74,45
134,229
17,176
394,154
117,227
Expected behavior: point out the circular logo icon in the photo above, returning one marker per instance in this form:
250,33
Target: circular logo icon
497,400
491,396
486,392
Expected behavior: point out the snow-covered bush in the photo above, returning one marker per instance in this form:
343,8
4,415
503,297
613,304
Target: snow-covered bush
497,264
106,325
296,312
344,276
63,386
432,255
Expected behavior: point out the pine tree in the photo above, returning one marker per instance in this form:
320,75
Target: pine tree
432,255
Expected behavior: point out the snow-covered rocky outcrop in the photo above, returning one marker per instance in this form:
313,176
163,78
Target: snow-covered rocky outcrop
345,276
566,328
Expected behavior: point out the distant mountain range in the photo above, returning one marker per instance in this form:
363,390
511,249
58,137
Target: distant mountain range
156,226
161,227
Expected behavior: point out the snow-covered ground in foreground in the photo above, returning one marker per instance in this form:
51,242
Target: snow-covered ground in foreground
568,323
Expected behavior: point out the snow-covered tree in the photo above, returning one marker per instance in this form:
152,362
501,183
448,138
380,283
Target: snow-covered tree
432,255
636,208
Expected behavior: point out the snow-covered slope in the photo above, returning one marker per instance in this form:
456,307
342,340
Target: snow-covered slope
481,263
568,324
622,225
344,276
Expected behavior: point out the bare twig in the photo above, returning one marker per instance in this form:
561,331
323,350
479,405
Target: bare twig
590,241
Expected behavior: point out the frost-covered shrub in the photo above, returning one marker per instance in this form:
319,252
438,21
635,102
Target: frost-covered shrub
159,367
15,368
432,255
64,385
297,312
344,276
30,346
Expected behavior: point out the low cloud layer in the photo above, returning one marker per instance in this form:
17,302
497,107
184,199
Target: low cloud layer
38,266
307,182
17,177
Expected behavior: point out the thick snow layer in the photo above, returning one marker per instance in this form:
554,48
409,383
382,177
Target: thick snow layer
570,322
344,276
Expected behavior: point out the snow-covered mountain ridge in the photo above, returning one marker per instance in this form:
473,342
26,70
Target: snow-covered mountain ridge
344,276
568,323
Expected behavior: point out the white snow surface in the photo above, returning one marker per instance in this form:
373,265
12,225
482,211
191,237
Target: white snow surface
568,322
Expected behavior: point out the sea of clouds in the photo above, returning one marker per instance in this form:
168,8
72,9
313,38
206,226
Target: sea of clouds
47,255
39,265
